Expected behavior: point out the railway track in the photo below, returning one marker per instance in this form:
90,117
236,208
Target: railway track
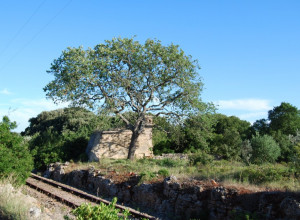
74,197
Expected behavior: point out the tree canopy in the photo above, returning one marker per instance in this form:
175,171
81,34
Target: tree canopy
62,134
122,74
285,118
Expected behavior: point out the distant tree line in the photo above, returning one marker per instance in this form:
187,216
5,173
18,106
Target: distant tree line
63,134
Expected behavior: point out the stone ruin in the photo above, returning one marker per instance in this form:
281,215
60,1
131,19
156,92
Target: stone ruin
115,144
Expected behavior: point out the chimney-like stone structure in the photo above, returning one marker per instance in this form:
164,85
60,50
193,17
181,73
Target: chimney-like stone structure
115,144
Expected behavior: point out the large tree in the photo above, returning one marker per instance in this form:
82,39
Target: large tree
285,118
122,74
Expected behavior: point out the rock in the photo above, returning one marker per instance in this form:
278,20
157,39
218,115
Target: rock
291,208
171,187
145,196
218,194
35,212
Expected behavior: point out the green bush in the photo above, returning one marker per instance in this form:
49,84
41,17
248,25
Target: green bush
200,158
264,149
146,176
61,135
163,172
264,174
15,159
100,212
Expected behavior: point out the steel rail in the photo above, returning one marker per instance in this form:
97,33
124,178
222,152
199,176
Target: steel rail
81,194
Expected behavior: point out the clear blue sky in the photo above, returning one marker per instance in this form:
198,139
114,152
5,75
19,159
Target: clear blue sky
249,51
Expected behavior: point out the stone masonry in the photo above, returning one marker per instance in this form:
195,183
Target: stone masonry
115,144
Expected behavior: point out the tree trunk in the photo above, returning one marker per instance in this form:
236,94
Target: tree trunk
132,146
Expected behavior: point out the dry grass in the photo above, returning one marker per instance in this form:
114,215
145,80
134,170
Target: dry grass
13,204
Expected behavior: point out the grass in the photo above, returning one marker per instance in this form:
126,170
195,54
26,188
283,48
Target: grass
275,176
13,203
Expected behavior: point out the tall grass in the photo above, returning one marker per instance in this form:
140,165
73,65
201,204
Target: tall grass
13,204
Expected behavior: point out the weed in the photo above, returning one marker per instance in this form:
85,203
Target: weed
100,212
163,172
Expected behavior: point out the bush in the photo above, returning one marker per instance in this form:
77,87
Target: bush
264,149
264,174
15,158
61,135
99,212
163,172
146,176
200,158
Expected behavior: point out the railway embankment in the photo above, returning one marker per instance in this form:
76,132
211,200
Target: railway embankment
172,198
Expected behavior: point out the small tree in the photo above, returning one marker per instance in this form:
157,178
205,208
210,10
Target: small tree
122,75
264,149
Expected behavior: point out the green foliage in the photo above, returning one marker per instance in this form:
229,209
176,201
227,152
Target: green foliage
283,121
122,74
197,133
164,136
64,120
200,157
264,149
264,174
229,133
285,118
15,158
261,126
286,146
61,134
243,215
99,212
246,151
146,176
169,162
163,172
232,123
193,134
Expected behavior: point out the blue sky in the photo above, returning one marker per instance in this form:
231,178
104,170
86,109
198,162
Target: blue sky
249,51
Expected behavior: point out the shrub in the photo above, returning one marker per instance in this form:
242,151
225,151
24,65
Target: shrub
146,176
264,174
15,158
61,135
264,149
200,158
100,212
163,172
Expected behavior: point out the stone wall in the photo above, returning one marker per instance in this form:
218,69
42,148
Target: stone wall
173,199
115,144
